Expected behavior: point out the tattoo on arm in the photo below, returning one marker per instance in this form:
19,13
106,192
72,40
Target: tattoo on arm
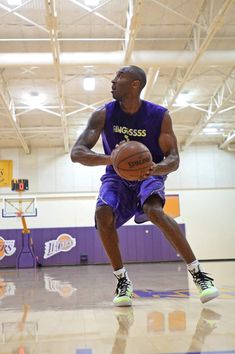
168,145
81,151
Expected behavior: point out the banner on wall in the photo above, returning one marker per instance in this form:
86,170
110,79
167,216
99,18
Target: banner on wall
7,248
63,243
6,167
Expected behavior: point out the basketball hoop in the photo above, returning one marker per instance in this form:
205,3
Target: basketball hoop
19,206
22,207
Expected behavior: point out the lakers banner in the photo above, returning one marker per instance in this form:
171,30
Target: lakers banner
7,248
63,243
5,173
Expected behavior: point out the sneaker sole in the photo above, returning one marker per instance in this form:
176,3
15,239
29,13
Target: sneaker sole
209,297
124,303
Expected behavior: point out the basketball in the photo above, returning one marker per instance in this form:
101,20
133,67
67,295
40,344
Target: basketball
131,160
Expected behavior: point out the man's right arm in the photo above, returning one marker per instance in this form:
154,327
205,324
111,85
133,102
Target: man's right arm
81,151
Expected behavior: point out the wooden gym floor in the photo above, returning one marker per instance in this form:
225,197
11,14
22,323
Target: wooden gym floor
68,310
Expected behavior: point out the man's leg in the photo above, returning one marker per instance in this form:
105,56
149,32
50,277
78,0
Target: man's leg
105,222
153,209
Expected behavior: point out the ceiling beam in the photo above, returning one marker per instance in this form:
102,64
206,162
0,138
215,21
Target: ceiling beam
25,19
8,106
89,10
217,103
53,33
187,19
111,39
200,48
152,76
153,58
228,140
132,26
33,130
84,7
85,106
15,9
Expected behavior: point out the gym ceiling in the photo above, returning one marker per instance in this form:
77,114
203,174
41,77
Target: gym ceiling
48,48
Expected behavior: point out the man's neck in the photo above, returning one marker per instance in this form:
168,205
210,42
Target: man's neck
130,107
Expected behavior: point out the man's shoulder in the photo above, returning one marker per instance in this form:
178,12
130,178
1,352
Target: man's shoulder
155,107
105,109
110,104
101,108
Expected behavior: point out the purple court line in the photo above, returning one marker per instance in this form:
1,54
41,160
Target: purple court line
180,293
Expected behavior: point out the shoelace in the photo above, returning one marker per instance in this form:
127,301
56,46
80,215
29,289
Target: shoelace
122,286
202,279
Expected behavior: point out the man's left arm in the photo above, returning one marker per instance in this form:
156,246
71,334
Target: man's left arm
168,145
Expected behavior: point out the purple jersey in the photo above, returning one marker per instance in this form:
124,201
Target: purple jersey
143,126
126,198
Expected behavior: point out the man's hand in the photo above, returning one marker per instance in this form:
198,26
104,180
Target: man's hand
114,152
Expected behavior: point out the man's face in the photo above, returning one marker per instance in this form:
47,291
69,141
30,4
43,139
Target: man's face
122,84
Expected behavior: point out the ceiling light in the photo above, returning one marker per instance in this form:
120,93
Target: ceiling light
211,131
183,99
89,83
34,99
215,125
91,2
14,2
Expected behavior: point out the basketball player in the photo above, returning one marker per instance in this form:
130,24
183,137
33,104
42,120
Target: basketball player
129,117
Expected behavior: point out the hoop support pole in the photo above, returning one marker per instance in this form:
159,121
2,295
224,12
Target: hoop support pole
25,228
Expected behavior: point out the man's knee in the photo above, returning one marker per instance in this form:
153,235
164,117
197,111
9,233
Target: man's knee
104,216
154,211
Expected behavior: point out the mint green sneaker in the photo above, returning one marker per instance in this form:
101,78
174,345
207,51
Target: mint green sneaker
205,285
123,292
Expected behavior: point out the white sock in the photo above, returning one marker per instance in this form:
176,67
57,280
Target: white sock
194,266
120,273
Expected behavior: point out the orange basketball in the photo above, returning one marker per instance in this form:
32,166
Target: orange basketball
131,160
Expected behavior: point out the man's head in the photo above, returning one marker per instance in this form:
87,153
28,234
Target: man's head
129,82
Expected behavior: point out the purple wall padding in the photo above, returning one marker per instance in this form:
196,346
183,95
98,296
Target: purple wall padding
139,243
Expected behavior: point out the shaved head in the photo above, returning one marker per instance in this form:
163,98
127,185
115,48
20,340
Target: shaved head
136,73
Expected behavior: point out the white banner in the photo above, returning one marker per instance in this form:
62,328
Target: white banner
63,243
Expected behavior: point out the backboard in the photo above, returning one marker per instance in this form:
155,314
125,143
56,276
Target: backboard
19,206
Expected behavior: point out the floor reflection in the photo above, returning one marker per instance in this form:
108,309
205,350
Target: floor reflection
125,318
69,310
63,288
6,289
206,324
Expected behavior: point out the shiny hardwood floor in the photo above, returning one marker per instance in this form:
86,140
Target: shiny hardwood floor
68,310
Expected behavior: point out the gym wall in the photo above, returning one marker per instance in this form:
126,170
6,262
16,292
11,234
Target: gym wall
66,194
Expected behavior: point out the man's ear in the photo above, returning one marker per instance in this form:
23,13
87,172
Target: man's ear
136,84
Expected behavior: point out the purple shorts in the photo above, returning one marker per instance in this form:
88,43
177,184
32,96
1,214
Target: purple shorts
126,198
